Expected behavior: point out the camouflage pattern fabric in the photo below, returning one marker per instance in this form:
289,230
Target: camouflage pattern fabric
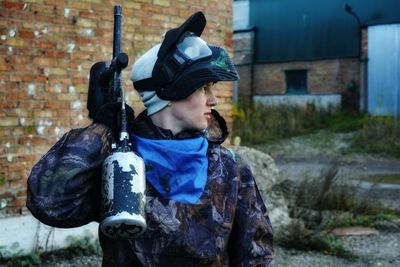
228,227
64,186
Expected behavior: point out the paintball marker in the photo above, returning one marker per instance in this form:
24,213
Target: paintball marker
123,174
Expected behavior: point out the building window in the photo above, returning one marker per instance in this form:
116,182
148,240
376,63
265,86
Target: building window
296,82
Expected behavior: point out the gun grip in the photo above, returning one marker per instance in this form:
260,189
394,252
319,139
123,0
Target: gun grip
98,88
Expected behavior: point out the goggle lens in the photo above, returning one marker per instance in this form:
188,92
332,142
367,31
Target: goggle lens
193,47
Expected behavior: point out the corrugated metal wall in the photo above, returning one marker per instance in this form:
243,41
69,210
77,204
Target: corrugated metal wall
289,30
384,69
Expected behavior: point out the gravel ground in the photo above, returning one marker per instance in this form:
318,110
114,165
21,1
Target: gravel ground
381,250
77,261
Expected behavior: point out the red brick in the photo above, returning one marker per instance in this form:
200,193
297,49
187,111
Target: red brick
17,60
43,113
11,96
16,167
13,5
32,141
22,51
31,78
41,10
18,184
6,67
55,53
25,158
44,61
59,3
18,202
5,195
8,104
26,34
63,21
26,69
44,44
4,186
80,5
30,104
56,105
14,210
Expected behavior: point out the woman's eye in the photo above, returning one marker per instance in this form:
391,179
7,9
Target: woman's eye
205,88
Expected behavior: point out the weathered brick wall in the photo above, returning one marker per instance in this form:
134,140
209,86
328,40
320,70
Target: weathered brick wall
46,50
323,76
243,58
244,84
364,43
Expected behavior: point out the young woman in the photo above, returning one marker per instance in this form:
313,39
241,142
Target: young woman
202,204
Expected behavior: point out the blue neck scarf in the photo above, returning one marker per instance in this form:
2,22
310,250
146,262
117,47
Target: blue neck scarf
176,168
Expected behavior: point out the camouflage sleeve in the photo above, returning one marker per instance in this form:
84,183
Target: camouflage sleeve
251,241
64,185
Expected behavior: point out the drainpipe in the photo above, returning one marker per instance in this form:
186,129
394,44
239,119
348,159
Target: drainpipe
364,82
363,62
252,30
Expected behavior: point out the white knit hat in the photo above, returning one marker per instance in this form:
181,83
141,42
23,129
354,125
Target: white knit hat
142,69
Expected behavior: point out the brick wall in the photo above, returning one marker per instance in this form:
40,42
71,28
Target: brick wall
46,50
243,58
323,76
364,43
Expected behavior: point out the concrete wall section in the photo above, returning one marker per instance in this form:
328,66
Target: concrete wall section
24,234
321,102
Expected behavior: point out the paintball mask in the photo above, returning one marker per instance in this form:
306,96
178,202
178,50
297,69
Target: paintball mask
185,62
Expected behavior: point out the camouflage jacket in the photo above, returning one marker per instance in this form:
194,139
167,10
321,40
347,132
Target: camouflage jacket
228,227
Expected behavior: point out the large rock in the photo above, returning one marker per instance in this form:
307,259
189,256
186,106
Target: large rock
268,182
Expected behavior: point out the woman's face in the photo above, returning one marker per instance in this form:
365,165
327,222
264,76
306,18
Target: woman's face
194,112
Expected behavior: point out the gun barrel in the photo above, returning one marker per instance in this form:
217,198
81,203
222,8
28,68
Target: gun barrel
105,77
117,30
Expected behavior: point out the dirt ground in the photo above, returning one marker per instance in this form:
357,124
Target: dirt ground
381,250
305,157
